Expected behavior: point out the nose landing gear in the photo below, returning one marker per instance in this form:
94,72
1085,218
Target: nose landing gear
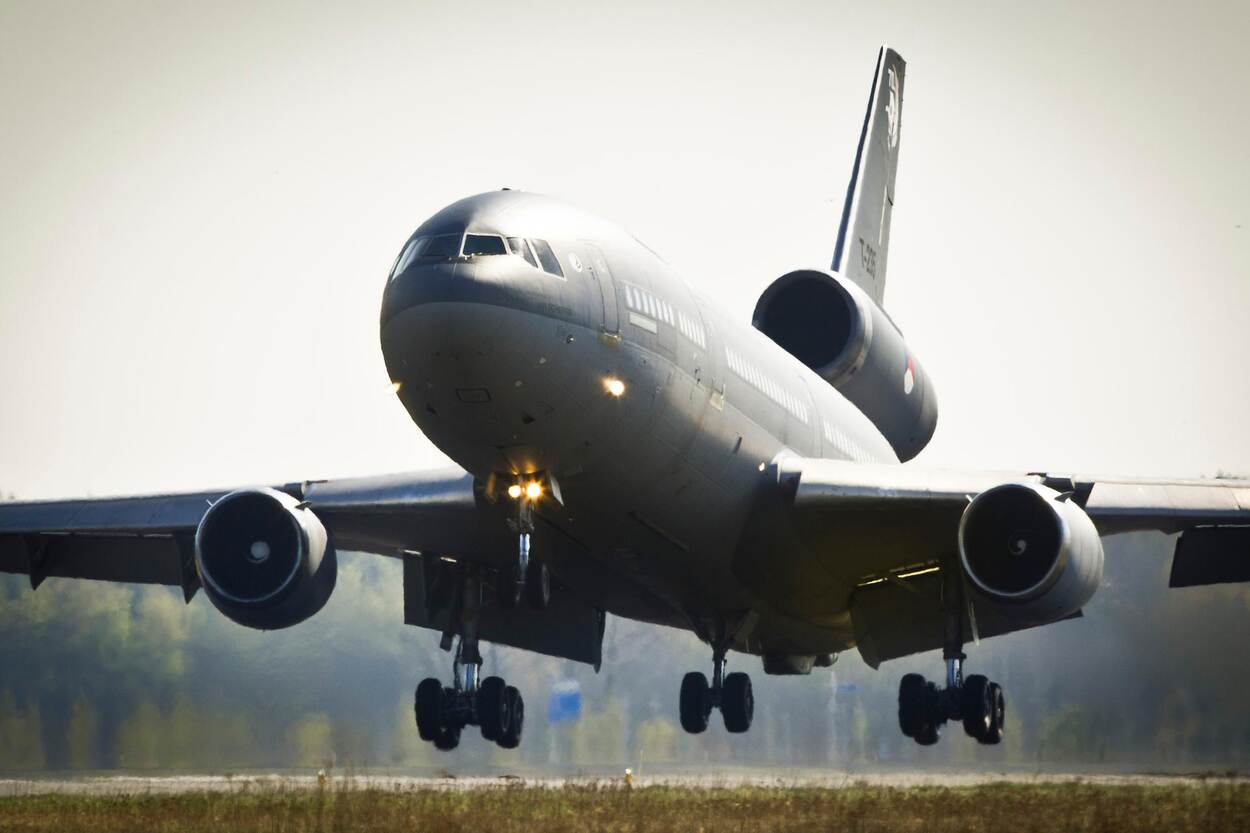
923,708
528,577
443,712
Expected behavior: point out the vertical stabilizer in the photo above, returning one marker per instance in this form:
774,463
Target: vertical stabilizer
864,233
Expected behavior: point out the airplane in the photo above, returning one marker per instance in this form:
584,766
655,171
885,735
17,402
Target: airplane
624,447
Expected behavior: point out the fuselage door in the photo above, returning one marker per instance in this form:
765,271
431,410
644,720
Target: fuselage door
602,275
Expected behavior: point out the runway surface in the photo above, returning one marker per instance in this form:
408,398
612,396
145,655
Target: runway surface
176,784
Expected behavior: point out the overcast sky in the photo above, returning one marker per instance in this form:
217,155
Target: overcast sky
201,201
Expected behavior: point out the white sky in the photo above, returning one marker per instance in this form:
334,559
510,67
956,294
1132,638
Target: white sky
200,203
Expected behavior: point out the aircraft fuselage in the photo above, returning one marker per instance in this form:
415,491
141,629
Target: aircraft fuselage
655,414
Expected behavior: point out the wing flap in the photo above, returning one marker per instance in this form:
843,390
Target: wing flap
897,618
1211,555
569,628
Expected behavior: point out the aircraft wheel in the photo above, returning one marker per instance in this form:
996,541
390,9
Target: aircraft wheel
448,738
928,735
491,706
428,705
537,585
510,737
997,715
737,704
912,694
695,703
975,706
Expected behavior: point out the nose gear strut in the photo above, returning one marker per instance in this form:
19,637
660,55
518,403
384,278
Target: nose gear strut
528,577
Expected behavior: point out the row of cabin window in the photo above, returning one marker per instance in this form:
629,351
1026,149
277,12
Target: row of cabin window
534,251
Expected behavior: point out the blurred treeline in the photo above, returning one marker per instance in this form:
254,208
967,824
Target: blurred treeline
96,676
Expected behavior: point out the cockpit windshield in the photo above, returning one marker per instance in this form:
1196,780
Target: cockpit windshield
483,244
428,245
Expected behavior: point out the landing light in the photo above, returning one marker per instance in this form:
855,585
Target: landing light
395,386
533,490
514,491
615,387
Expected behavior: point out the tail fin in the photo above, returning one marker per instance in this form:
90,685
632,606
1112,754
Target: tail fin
864,234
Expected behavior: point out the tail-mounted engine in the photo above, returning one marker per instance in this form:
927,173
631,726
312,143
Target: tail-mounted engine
833,327
1031,551
264,559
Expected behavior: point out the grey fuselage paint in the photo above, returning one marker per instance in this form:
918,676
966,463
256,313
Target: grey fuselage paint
504,368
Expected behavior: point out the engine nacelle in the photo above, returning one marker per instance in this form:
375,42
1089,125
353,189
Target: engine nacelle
264,560
1031,551
833,327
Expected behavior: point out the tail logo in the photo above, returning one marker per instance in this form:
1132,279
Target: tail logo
909,377
892,108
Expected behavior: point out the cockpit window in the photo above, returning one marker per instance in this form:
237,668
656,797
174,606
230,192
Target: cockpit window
522,249
550,262
484,244
440,245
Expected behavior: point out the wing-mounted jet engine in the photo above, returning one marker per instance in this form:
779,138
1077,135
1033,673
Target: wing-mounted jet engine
1035,556
1031,551
264,559
831,325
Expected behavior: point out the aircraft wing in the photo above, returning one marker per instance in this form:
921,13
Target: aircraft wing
902,525
421,517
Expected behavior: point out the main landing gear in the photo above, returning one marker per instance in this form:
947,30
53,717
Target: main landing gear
923,708
731,694
491,704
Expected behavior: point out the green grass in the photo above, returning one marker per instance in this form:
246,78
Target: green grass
996,808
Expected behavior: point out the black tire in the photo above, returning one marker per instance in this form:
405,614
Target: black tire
510,738
448,738
428,705
695,703
912,694
537,585
737,704
974,705
928,735
998,716
508,586
491,707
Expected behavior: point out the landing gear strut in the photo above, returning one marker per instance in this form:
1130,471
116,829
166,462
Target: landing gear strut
923,708
443,712
528,577
731,694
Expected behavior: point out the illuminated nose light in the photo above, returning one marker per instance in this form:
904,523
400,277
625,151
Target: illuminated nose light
533,490
395,386
514,491
615,387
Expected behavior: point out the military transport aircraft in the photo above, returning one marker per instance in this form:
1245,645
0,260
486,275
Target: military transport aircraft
625,448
